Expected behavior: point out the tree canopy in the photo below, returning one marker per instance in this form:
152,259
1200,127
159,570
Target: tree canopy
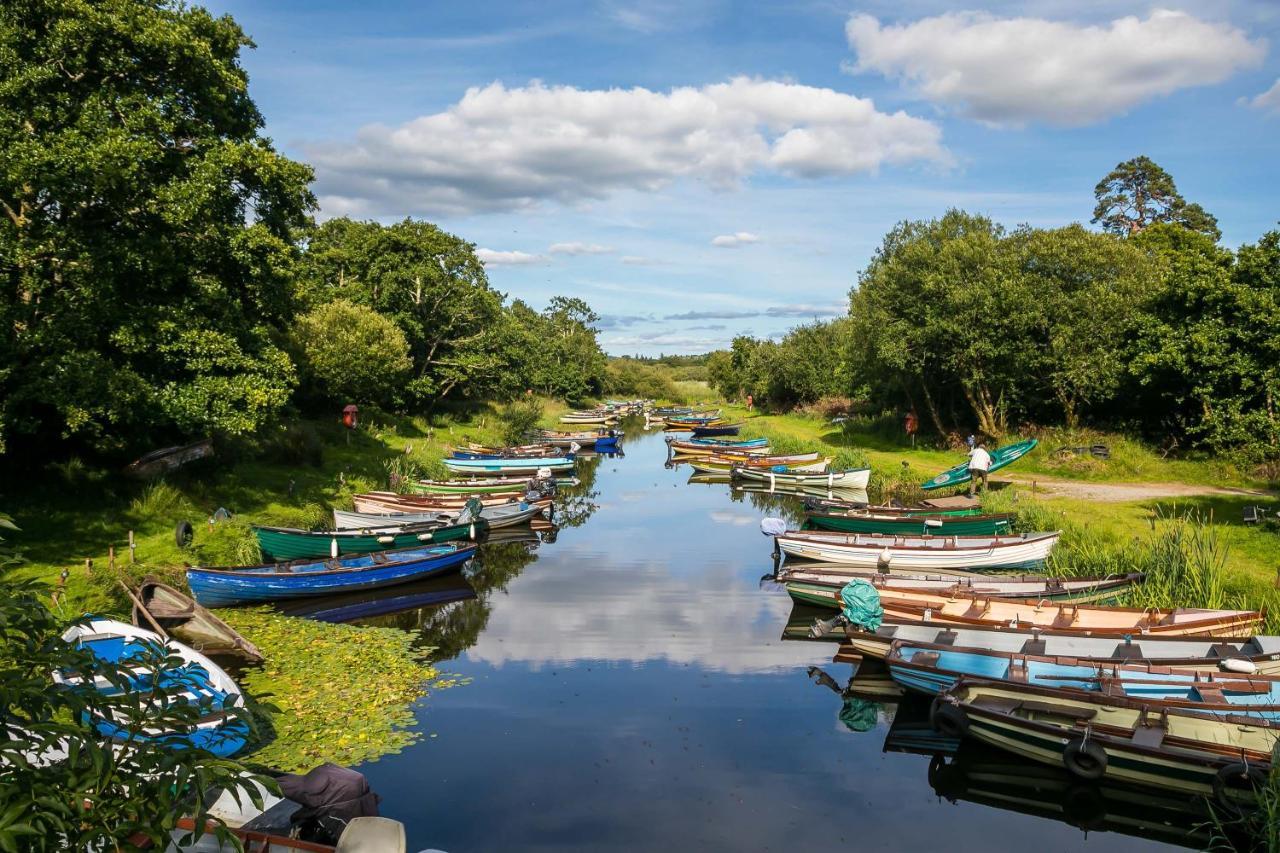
1137,194
146,237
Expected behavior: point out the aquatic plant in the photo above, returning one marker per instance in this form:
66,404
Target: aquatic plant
339,693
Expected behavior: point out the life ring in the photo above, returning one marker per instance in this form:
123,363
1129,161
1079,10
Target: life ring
183,533
1234,780
1085,758
948,719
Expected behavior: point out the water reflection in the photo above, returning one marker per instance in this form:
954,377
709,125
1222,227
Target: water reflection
630,687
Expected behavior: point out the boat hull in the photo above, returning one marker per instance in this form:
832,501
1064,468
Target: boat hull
228,587
282,544
912,525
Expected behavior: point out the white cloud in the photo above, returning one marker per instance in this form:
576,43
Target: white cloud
733,241
637,261
494,258
1268,101
1015,70
579,249
503,148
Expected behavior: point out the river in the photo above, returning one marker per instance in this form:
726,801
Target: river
629,689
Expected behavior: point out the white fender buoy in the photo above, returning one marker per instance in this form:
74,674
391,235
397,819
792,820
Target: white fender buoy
1241,665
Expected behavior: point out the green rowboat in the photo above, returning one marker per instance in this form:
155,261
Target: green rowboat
283,543
912,525
1000,457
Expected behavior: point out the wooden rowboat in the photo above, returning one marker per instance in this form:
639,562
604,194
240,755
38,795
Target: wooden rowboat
381,503
1262,652
510,466
224,587
801,464
161,608
870,550
196,681
824,590
864,521
854,478
932,668
286,543
714,429
1116,738
906,607
505,515
706,447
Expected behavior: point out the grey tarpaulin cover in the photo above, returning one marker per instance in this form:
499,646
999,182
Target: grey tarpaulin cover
773,526
330,797
860,603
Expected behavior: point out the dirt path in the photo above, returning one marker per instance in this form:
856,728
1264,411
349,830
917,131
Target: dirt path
1127,492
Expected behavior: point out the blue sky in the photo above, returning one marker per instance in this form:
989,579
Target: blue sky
700,169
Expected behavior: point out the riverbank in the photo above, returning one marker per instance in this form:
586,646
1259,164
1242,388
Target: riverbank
1122,501
326,692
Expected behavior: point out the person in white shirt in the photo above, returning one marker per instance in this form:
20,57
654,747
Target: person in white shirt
979,465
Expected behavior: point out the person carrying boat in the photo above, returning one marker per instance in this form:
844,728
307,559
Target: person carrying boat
979,465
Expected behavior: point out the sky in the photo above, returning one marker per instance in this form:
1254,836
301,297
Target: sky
700,169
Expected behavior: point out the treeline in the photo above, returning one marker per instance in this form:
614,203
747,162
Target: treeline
1148,326
161,275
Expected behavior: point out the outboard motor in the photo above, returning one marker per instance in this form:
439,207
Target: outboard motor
330,796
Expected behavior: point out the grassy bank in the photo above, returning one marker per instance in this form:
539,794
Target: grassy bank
332,692
1103,532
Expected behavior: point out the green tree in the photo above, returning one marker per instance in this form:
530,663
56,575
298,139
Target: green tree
430,283
1207,354
352,353
1138,193
145,235
1090,287
942,308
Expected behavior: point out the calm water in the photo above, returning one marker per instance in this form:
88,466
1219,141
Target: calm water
630,689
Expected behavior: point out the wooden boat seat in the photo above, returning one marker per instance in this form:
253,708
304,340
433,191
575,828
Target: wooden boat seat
946,638
925,658
1034,646
1210,693
1223,650
1056,710
1127,651
379,557
1149,736
1017,671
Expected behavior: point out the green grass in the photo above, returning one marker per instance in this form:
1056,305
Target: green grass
75,513
1099,537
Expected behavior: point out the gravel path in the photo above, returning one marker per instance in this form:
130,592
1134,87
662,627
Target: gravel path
1129,492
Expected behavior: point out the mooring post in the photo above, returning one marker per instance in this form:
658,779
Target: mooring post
133,549
111,558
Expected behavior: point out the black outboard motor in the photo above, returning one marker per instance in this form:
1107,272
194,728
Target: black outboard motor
330,797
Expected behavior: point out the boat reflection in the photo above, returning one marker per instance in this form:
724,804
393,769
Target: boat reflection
970,771
386,601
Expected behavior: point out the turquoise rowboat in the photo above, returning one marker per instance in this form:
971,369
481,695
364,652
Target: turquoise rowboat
933,668
510,466
910,525
1000,457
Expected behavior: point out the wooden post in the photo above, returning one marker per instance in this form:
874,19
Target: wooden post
133,549
111,558
88,567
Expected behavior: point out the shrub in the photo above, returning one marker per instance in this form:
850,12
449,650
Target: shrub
351,353
520,418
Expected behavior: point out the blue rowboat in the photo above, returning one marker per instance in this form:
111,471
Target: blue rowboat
934,668
717,429
148,660
225,587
